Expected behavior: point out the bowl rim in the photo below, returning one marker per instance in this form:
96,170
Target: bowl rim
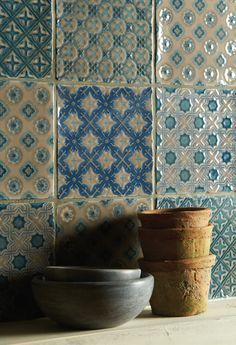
40,280
175,211
92,269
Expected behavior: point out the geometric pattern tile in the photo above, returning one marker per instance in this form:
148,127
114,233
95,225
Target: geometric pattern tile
99,233
27,236
223,277
196,148
25,38
26,148
105,143
196,42
104,41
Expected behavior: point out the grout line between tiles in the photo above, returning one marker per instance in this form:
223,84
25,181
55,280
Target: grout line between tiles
116,197
54,33
120,84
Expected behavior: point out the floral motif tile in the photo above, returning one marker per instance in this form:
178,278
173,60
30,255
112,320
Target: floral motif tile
26,143
100,233
25,38
105,143
196,42
27,236
196,140
223,278
106,41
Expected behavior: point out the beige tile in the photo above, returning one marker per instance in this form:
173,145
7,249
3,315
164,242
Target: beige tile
100,233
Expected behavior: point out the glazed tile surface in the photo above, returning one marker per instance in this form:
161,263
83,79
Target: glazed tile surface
104,141
27,236
25,38
196,42
26,143
100,233
223,279
196,140
106,41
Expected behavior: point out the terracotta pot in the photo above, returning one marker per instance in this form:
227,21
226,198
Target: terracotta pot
189,217
180,287
175,244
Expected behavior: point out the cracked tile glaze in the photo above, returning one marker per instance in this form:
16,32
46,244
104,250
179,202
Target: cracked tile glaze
196,42
106,41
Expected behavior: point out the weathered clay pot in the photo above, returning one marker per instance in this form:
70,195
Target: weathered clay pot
175,244
180,287
189,217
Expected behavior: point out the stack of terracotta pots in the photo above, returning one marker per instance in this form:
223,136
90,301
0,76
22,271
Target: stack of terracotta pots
176,248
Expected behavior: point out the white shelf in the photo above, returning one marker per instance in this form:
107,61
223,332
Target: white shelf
217,326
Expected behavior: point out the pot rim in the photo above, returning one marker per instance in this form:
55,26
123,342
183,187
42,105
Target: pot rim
176,211
40,280
178,265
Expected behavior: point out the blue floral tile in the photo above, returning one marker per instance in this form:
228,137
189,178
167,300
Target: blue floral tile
196,42
104,41
195,140
27,236
105,142
99,233
223,278
25,38
26,150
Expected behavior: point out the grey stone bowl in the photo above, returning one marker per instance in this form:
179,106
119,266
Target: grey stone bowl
93,305
89,274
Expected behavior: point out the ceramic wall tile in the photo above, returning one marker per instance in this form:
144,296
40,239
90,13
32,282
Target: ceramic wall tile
108,41
27,236
25,38
223,282
196,140
105,144
100,233
26,142
196,42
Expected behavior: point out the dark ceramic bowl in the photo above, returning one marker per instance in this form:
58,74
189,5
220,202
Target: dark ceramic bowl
89,274
93,305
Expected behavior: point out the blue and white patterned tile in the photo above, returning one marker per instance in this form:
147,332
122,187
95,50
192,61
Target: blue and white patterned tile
104,41
196,42
26,147
196,140
223,277
99,233
25,38
105,141
27,237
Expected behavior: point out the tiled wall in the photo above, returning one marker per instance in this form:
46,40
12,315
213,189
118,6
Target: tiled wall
106,108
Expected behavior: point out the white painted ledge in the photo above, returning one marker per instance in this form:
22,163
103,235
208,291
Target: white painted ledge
215,327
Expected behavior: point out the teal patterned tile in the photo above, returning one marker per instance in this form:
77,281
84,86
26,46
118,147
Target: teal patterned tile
104,41
25,38
26,148
99,233
27,236
196,42
196,144
223,278
105,141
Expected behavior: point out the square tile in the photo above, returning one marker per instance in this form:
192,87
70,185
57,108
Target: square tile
196,140
105,141
223,278
25,38
99,233
105,41
27,236
196,42
26,140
